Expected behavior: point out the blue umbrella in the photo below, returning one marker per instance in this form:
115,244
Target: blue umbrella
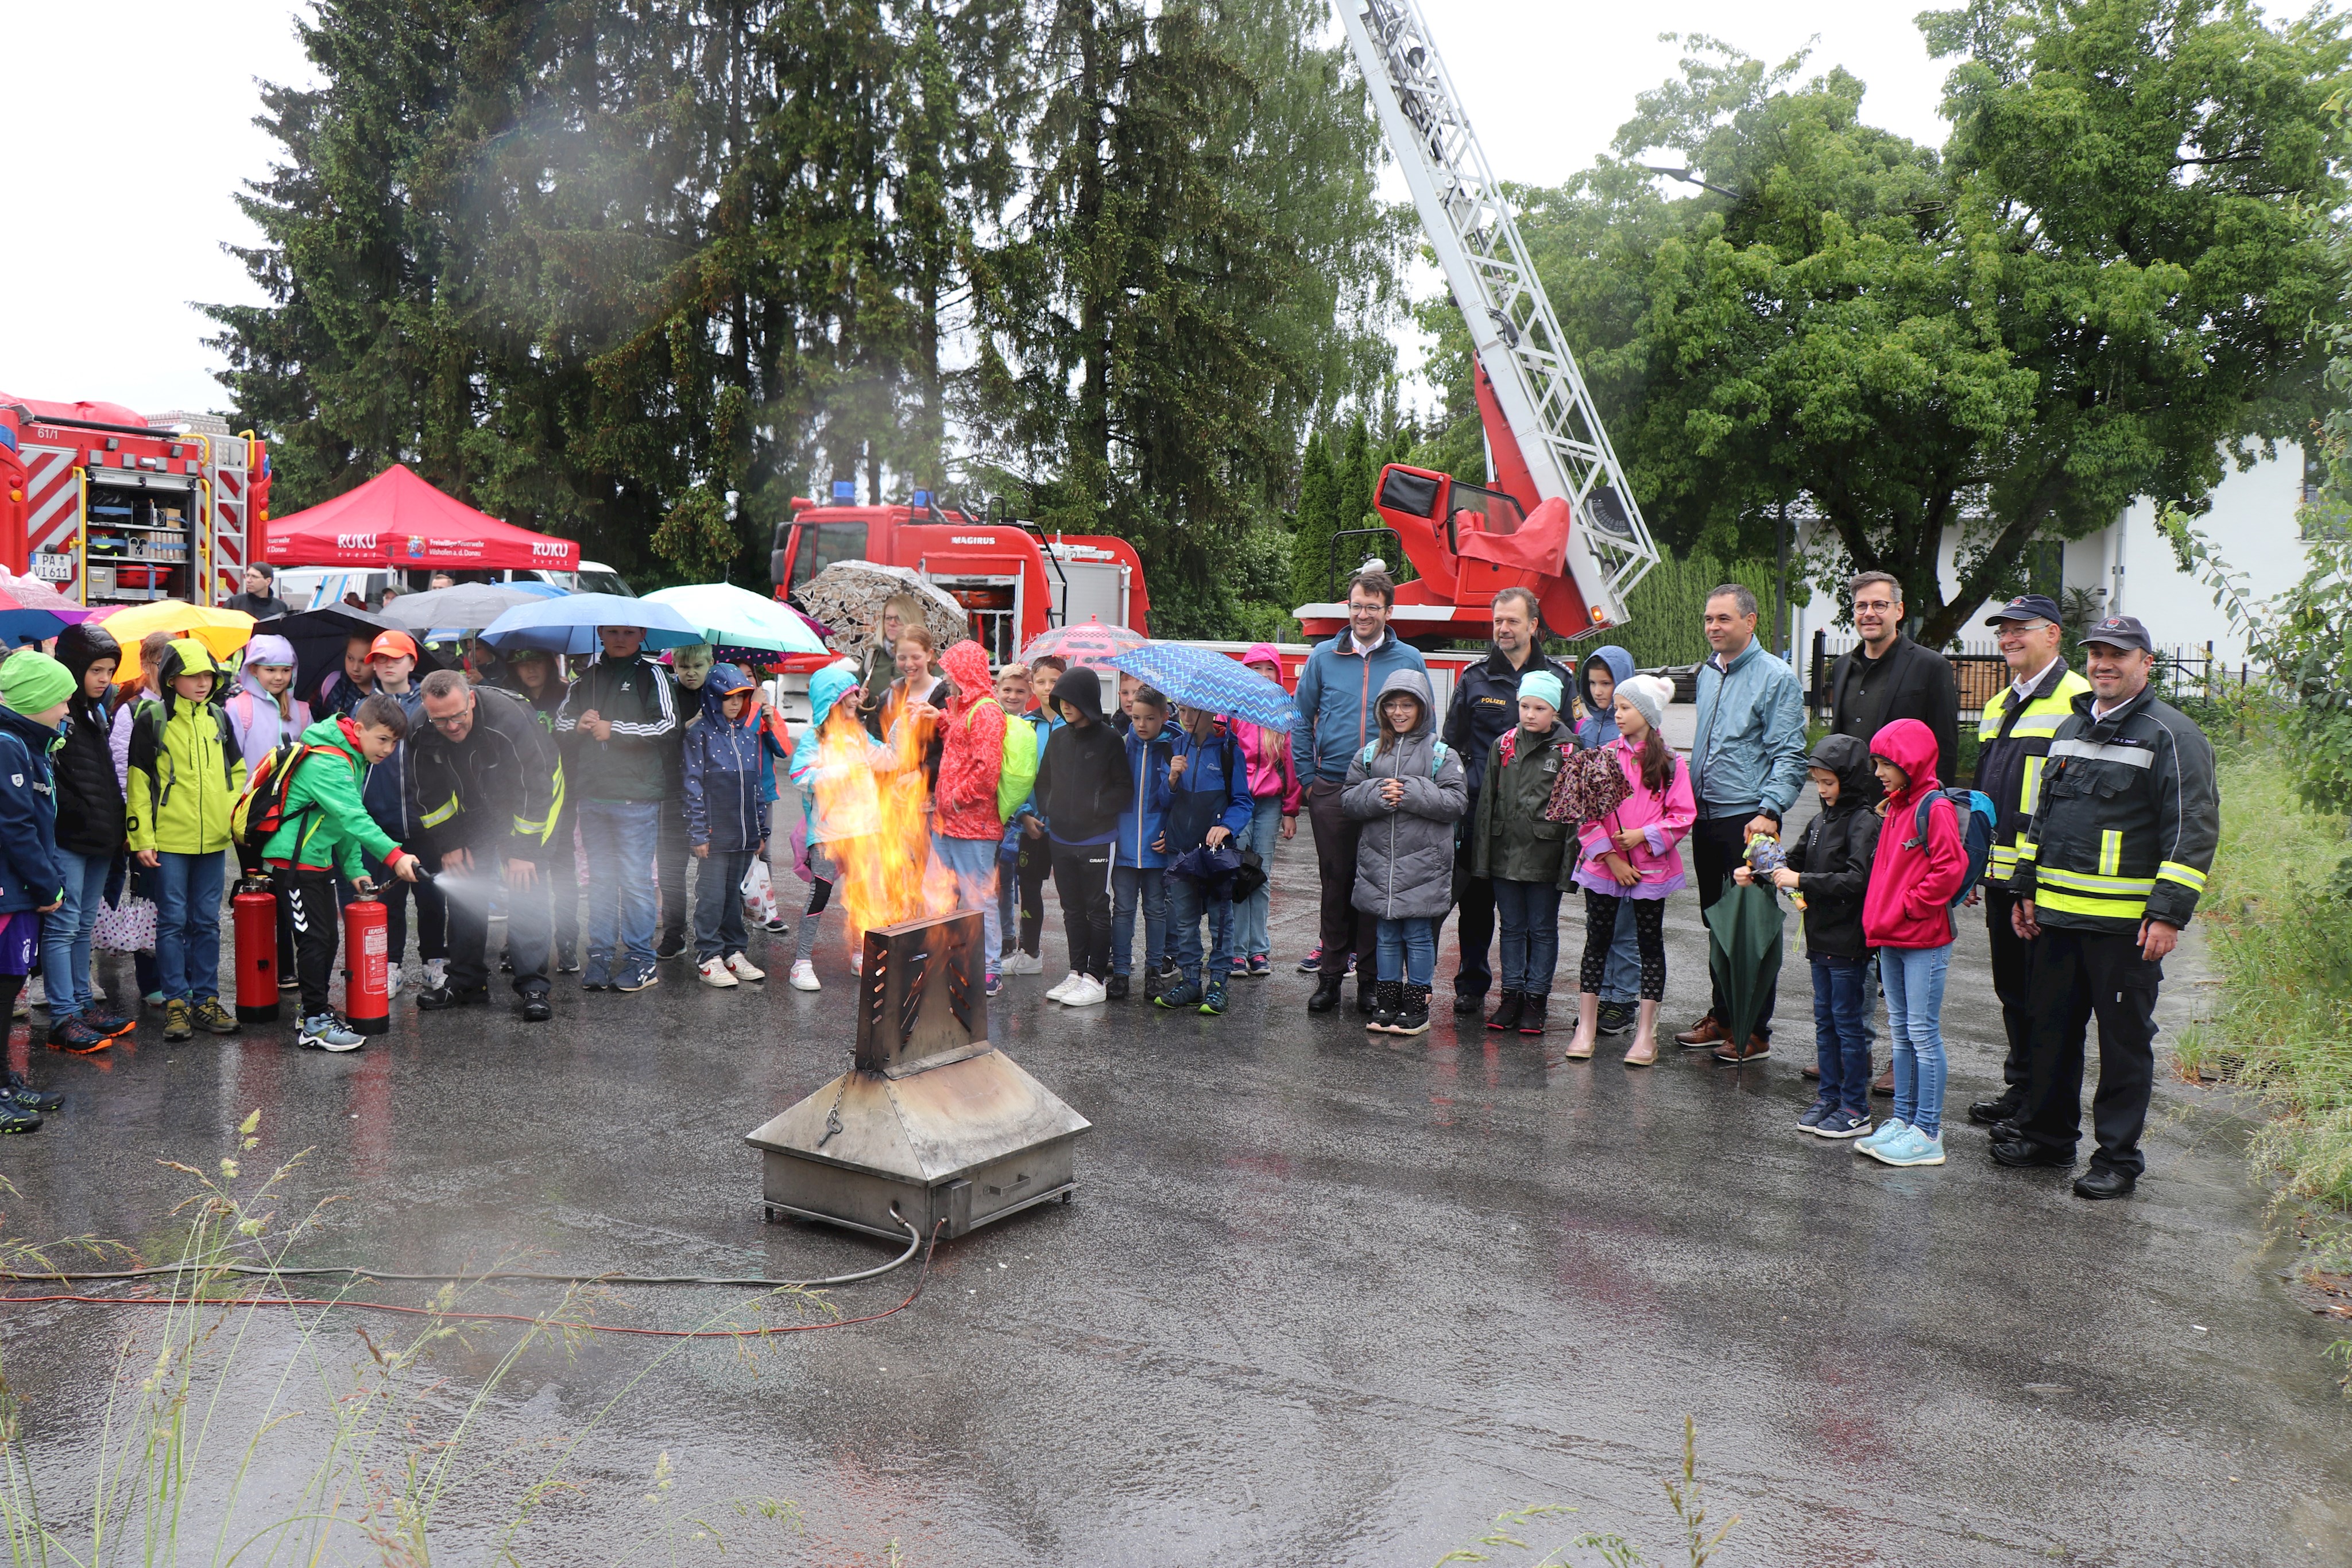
568,625
1199,678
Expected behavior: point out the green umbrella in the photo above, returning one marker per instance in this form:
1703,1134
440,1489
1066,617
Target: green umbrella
736,618
1743,952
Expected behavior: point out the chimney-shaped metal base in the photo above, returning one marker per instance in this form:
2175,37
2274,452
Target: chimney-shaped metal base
931,1122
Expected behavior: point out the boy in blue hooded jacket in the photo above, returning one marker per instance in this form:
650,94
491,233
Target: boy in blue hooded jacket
1209,803
34,689
726,821
1138,865
1604,669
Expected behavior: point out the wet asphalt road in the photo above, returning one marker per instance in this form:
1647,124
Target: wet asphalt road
1323,1299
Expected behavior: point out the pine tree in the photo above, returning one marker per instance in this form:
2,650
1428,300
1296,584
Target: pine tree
1318,519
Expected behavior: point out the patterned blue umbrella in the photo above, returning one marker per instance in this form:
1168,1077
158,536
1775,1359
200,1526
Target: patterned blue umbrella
1199,678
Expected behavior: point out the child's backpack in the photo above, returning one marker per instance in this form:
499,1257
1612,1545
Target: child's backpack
1020,775
1978,822
1436,755
260,811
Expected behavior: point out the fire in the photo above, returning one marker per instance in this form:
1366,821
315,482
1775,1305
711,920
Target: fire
876,791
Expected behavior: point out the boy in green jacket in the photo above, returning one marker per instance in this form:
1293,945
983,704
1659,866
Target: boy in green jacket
325,828
185,776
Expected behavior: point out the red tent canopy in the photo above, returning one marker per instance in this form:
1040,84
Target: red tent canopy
396,519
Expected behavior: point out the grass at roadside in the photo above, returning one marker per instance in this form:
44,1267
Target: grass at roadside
2278,913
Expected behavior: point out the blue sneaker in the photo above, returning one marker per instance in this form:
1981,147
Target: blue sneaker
1887,1132
1178,997
1812,1119
995,986
638,979
1313,962
1212,1001
1841,1125
1913,1148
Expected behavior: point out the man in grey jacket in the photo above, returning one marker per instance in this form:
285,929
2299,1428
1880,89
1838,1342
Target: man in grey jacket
1747,764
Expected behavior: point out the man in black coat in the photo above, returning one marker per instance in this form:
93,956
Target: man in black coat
1485,704
259,598
1889,676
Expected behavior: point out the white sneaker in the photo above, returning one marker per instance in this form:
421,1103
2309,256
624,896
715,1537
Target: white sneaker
391,980
1061,993
742,968
1022,963
436,973
714,973
1089,992
804,977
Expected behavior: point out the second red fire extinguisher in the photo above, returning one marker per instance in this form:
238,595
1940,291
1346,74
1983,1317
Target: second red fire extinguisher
365,1006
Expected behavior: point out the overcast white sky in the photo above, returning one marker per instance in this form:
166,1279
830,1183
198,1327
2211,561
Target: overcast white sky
128,155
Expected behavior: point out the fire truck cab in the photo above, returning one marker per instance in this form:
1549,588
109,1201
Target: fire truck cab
111,506
1011,580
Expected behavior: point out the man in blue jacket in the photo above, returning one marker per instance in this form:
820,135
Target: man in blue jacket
1338,693
1747,764
1209,802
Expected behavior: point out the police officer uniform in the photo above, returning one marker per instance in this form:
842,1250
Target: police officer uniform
2122,833
2013,748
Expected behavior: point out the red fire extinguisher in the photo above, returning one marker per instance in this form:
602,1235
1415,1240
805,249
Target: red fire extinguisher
365,1006
254,912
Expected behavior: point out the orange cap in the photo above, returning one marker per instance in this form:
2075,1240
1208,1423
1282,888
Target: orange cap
393,646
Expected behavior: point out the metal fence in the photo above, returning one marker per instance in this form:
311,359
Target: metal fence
2183,672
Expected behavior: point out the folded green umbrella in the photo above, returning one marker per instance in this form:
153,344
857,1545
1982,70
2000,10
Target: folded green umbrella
1743,954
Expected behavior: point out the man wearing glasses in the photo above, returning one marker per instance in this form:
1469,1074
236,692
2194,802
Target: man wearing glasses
490,787
1889,676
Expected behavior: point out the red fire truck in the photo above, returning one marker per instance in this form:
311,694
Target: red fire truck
114,508
1011,580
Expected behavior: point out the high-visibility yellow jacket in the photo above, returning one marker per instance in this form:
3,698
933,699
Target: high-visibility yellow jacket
2012,742
2126,821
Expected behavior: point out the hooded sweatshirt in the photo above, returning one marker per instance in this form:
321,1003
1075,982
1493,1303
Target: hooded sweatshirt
1913,882
1832,856
721,777
89,796
1146,811
833,767
252,712
971,750
1083,782
1599,726
186,771
1404,858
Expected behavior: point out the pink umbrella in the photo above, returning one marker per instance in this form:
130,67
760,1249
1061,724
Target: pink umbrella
1088,643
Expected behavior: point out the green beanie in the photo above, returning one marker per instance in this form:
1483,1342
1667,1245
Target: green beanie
31,681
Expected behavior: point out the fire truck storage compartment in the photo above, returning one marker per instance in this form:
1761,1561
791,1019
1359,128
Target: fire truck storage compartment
141,533
1097,592
993,606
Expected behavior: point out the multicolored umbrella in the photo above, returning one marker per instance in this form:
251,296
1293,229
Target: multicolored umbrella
733,617
23,619
849,594
1087,643
1201,679
568,625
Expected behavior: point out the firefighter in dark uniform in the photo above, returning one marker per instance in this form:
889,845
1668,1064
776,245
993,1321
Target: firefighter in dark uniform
2013,748
2108,871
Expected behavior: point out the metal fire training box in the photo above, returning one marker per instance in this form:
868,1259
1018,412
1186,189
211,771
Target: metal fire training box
930,1122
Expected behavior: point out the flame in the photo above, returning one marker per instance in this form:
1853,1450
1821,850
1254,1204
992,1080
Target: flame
875,793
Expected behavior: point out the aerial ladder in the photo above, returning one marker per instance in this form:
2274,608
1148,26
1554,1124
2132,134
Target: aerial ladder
1557,515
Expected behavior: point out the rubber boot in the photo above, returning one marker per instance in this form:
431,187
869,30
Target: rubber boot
1588,1028
1644,1050
1367,999
1531,1013
1388,1004
1413,1018
1507,1011
1328,988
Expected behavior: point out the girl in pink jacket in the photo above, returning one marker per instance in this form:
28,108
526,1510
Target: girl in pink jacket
1274,786
1633,856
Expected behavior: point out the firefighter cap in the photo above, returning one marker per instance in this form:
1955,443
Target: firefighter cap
2120,632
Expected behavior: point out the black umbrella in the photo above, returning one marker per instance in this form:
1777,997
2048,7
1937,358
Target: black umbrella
1743,952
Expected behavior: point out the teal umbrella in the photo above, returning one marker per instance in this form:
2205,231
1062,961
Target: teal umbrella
737,618
1743,952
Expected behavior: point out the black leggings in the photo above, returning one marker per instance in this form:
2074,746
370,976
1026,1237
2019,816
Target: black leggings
1649,933
1082,879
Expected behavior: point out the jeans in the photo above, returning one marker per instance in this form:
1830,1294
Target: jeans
973,862
187,926
1188,903
1407,949
65,935
618,836
1913,979
1529,914
718,930
1841,1038
1252,930
1131,885
1621,981
672,850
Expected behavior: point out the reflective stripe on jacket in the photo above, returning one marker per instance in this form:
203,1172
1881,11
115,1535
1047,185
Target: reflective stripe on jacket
2127,822
2013,743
